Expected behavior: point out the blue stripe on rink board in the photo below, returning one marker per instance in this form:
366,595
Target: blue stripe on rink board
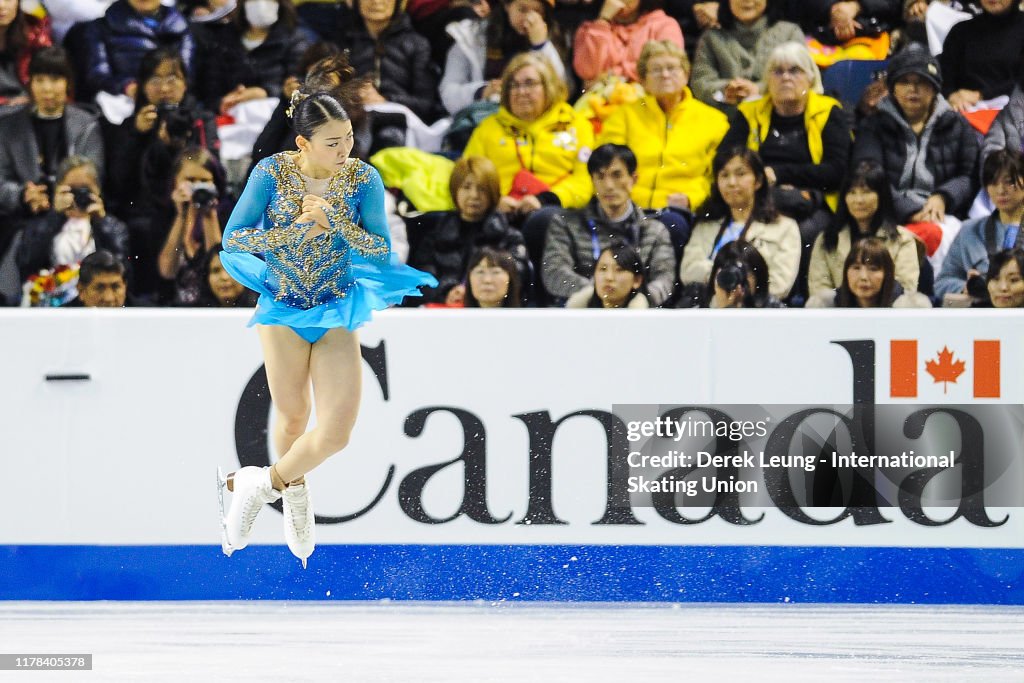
521,572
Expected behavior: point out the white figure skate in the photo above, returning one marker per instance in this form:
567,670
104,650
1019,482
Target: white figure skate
251,490
299,521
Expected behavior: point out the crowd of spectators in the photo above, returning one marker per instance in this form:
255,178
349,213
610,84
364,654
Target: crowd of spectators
608,153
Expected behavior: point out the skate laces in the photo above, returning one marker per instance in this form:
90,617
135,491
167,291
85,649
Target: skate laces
298,509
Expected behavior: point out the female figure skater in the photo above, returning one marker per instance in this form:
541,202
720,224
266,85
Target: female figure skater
310,235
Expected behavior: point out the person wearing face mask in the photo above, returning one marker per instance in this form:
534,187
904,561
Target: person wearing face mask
117,42
249,53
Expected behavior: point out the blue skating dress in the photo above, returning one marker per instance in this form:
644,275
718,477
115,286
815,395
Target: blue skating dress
336,279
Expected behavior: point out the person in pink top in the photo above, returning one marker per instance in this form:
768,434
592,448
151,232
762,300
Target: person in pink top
612,42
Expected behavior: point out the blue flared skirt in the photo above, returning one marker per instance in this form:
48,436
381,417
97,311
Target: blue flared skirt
373,287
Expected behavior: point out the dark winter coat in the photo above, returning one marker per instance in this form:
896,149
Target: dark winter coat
446,247
118,41
398,63
222,62
984,54
35,251
949,148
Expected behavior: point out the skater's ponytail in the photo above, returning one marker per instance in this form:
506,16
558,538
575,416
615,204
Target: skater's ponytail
310,111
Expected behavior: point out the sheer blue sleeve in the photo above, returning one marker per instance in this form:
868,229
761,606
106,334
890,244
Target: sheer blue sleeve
372,239
247,230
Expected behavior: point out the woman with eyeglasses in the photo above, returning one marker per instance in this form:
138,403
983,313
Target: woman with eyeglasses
803,137
727,63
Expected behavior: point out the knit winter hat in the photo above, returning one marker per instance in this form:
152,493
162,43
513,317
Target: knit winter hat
914,59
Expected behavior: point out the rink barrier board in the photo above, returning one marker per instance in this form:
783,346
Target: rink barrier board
684,574
423,404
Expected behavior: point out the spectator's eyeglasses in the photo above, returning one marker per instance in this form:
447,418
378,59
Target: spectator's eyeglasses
792,72
524,85
159,81
664,69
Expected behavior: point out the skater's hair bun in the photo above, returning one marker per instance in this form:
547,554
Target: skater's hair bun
311,110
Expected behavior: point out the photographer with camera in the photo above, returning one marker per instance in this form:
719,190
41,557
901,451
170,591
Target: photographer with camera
739,279
34,140
195,229
961,279
76,226
142,152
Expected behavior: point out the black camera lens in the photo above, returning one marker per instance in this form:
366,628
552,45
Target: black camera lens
204,195
730,276
82,197
977,287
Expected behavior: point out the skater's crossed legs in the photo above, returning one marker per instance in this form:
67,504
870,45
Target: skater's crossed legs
334,365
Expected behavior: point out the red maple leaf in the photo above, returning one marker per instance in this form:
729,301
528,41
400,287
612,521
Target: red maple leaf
945,370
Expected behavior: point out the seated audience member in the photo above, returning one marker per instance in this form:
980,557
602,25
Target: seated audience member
21,36
618,281
674,137
1007,131
385,49
1003,177
76,226
482,48
741,207
1005,280
142,154
739,279
127,32
450,238
612,43
869,281
727,67
539,145
865,210
981,57
217,289
34,140
575,239
101,282
248,54
928,151
493,278
803,137
195,228
848,29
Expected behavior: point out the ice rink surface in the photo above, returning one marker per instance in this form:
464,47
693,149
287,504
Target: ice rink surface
336,641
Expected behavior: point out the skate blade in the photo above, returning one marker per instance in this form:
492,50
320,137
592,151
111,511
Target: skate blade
222,484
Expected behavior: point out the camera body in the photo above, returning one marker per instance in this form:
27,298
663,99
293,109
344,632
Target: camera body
731,275
204,195
179,121
977,287
82,197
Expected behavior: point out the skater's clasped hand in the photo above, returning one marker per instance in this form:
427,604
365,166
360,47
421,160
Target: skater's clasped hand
314,210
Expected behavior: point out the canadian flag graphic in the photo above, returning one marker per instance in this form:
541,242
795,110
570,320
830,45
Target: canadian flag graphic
942,366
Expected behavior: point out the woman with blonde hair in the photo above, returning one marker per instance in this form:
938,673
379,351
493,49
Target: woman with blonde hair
674,136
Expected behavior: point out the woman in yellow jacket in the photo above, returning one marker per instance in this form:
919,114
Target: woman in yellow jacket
536,139
540,146
673,135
